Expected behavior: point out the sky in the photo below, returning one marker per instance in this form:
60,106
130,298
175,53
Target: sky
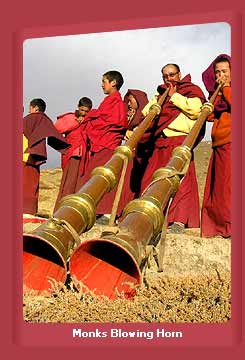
62,69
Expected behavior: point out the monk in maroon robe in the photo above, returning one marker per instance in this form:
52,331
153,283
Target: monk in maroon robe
135,101
37,127
178,115
216,209
105,130
73,163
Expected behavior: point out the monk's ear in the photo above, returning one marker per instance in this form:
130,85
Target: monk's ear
114,83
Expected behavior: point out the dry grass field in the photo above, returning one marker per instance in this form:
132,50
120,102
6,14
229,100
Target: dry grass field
194,285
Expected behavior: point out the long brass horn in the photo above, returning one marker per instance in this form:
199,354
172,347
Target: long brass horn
47,248
122,252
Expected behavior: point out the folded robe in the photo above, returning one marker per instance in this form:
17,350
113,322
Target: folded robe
36,128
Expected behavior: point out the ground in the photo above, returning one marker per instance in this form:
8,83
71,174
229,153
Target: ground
194,285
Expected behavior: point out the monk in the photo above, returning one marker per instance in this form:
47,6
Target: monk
105,130
37,127
216,208
135,100
73,162
178,115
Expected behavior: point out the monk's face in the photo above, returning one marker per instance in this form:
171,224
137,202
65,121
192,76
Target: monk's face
33,109
132,103
223,72
108,86
132,106
83,110
170,73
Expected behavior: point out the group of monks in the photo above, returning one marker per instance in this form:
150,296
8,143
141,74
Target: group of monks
87,138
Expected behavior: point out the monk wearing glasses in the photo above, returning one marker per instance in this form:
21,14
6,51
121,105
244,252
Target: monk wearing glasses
170,128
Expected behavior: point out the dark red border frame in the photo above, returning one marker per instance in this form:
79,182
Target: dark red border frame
28,20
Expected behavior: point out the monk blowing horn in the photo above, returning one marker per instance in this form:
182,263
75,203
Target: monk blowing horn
113,263
48,247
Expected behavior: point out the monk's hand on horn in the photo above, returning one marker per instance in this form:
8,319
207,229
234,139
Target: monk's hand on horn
172,89
227,82
224,79
220,82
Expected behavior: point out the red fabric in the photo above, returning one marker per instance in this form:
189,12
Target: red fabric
131,186
31,176
74,134
106,126
226,90
216,214
36,128
69,180
185,205
66,123
99,159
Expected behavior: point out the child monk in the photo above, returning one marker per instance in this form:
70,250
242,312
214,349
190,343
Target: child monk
37,127
105,130
73,162
135,100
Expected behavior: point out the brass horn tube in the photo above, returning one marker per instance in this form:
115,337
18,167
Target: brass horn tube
142,221
206,110
48,247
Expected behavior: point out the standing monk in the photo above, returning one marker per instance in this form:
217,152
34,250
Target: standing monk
105,130
179,112
37,127
73,162
135,100
216,215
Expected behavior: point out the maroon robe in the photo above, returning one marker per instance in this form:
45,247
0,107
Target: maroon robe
106,126
134,172
216,208
105,129
70,179
36,128
185,205
31,176
74,161
157,149
73,130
